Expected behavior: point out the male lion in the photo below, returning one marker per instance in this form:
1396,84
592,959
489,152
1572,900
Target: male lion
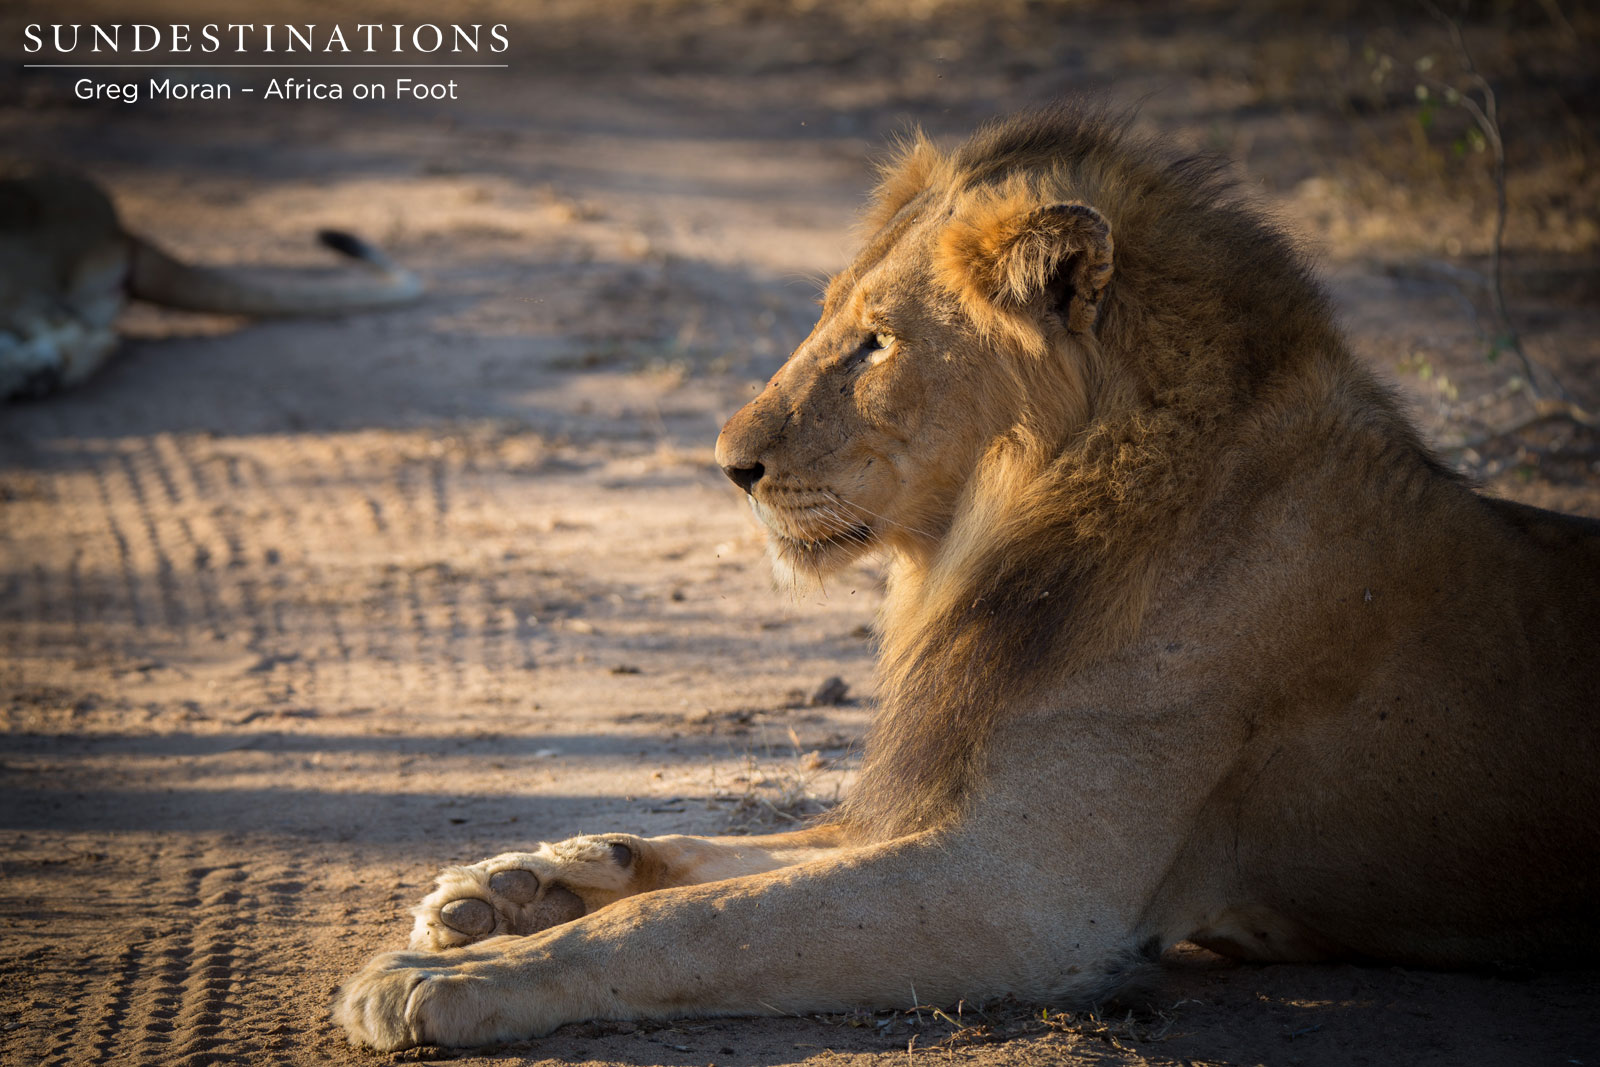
67,267
1187,636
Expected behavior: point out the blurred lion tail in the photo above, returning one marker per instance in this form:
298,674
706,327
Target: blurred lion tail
160,278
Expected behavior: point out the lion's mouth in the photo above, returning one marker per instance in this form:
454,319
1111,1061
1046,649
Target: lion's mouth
853,537
811,535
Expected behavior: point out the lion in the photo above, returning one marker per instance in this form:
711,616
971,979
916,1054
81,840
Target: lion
1188,636
67,268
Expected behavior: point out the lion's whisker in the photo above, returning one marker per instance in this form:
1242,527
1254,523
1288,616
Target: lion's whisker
841,525
882,518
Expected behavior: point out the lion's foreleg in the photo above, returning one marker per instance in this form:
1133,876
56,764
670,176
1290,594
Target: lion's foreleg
879,926
692,860
525,892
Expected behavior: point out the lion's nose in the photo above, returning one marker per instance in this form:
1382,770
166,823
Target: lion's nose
745,477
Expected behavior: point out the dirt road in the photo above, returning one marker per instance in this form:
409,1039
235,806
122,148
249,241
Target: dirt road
291,614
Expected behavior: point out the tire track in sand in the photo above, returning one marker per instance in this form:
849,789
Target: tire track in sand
109,507
171,464
177,995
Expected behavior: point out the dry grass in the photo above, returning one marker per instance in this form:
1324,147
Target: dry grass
771,794
928,1028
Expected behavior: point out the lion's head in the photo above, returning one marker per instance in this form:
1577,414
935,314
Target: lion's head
970,308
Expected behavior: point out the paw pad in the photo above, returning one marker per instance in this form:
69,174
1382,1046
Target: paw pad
469,916
520,893
519,887
558,906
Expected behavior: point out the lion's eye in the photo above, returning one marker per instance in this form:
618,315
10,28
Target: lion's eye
874,350
878,347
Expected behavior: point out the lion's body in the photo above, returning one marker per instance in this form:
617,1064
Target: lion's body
67,267
1187,636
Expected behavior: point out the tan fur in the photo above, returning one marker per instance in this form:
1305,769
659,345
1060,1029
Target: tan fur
1000,251
905,173
67,267
1187,636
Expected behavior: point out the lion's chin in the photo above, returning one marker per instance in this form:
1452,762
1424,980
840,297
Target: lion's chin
800,565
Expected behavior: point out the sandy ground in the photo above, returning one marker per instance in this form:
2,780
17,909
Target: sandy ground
291,614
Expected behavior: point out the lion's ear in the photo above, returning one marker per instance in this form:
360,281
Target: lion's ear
1058,255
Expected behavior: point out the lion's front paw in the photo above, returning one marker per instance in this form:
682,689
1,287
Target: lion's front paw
373,1004
403,999
524,892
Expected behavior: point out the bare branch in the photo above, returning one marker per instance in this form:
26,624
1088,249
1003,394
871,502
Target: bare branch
1543,411
1486,116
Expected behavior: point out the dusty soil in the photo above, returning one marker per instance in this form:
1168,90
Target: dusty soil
293,613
